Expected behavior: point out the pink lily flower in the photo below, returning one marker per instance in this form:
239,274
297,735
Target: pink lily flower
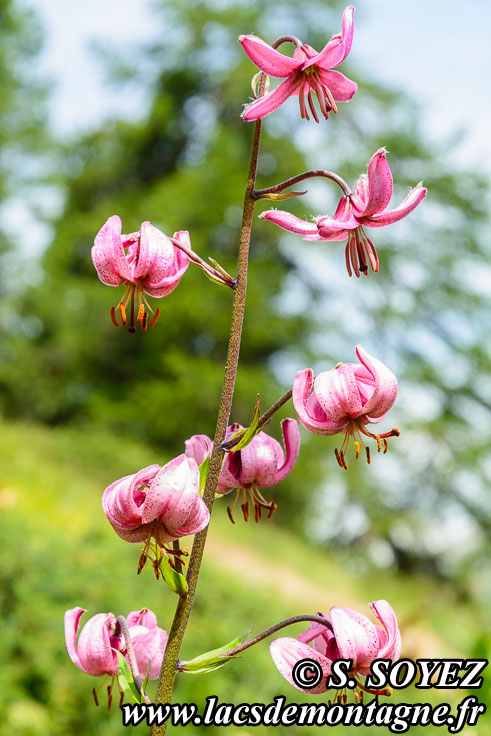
149,642
99,637
159,502
308,71
147,262
94,653
261,463
348,635
346,399
365,207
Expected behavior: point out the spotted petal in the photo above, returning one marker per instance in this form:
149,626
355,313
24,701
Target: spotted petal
385,385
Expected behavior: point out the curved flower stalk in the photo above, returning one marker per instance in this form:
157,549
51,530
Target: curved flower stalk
160,503
147,262
365,207
308,71
101,638
347,635
260,464
346,399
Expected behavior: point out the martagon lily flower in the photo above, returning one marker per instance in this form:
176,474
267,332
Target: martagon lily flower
365,207
146,262
160,503
308,71
348,635
101,638
346,399
260,464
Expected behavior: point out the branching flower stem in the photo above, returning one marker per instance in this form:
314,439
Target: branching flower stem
131,657
169,665
277,188
263,419
273,629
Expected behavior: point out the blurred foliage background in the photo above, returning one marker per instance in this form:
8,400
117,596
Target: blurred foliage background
84,403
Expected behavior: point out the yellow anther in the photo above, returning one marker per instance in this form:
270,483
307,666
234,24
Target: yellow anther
113,317
357,446
122,311
386,446
141,312
379,442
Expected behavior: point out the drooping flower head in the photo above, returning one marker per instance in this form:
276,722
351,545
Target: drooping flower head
365,207
160,503
146,262
346,399
260,464
308,71
101,638
347,634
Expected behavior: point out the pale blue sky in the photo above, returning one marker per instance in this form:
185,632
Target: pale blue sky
436,49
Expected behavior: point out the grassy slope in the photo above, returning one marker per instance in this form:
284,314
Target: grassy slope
61,552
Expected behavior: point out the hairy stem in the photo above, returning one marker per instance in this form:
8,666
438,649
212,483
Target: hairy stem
263,419
169,665
262,193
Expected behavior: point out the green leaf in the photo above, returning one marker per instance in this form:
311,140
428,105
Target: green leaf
126,681
278,197
203,472
174,579
213,659
250,432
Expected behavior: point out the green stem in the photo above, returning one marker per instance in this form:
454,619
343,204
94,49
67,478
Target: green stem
169,665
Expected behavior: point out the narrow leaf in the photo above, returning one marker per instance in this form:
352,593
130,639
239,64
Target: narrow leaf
203,472
125,679
174,579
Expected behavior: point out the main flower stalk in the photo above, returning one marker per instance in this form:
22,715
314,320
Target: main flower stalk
169,666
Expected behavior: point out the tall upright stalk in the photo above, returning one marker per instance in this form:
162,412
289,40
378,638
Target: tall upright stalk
168,672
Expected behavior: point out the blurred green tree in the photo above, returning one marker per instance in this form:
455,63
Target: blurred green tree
182,166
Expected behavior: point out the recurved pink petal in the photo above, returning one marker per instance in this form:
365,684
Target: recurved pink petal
72,620
385,386
359,198
171,493
290,222
259,461
347,30
199,447
143,617
408,204
198,518
329,224
95,644
149,646
330,236
309,411
291,440
331,55
266,58
155,258
390,638
341,87
337,393
356,637
286,652
135,534
108,254
159,287
122,501
380,184
270,102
